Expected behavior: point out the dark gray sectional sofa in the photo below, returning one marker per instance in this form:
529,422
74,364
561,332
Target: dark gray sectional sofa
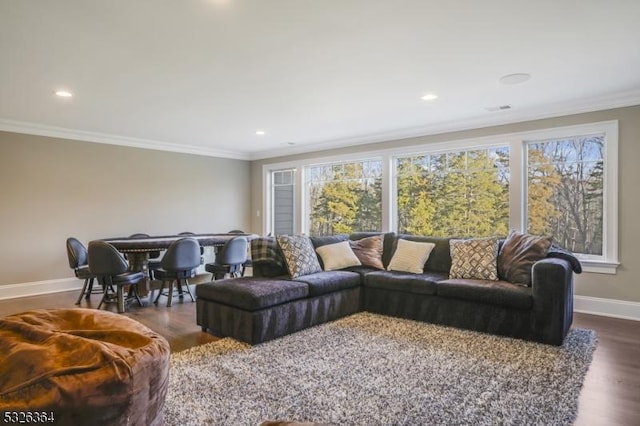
270,304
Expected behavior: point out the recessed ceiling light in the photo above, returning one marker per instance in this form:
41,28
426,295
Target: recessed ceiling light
515,78
260,132
430,97
63,93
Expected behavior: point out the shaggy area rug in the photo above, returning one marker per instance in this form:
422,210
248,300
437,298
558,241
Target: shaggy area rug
368,369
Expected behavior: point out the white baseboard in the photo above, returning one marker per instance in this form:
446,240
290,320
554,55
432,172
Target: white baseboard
583,304
607,307
36,288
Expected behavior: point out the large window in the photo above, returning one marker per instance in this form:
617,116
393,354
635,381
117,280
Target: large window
459,193
560,182
344,197
565,192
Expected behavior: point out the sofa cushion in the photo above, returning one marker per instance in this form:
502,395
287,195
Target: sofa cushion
404,281
325,240
487,291
440,257
475,258
337,256
329,281
251,294
369,251
518,254
410,256
299,255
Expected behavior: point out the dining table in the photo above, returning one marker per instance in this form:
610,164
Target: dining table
137,249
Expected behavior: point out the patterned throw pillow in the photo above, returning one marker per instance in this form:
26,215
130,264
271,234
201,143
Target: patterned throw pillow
474,259
518,254
266,257
299,255
337,256
369,251
410,256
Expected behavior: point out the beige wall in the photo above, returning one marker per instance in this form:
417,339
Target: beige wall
55,188
625,285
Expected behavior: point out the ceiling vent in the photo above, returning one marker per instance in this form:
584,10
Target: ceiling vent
498,108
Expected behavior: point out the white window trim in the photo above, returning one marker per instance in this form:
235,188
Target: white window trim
517,164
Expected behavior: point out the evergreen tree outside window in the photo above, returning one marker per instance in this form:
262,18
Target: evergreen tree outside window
344,197
459,193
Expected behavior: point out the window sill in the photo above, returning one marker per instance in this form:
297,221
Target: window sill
599,266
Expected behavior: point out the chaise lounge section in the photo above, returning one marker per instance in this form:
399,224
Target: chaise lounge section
272,304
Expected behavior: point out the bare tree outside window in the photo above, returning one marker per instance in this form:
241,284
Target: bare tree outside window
565,192
345,197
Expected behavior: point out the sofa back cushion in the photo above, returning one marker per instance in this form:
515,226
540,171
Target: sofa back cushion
440,258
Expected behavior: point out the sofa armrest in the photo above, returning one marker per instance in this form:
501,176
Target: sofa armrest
552,290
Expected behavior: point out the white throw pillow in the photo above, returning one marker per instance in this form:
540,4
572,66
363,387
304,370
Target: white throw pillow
410,256
337,256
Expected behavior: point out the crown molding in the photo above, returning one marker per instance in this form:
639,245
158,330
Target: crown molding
498,118
86,136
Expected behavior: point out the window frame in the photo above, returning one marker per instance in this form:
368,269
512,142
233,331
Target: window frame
607,263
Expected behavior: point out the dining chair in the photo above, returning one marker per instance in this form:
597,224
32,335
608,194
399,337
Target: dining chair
112,270
230,259
178,264
153,262
186,234
247,263
77,255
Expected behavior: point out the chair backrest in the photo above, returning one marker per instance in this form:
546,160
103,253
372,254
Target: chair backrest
182,255
105,259
76,253
236,231
234,252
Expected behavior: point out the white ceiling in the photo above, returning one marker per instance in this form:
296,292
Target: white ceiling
203,75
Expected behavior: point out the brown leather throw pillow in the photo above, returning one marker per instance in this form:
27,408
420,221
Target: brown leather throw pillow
518,254
369,251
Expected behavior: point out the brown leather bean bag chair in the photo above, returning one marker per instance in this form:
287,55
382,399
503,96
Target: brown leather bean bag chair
84,366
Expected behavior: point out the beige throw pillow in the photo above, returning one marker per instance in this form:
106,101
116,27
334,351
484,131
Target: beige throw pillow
474,259
410,256
337,256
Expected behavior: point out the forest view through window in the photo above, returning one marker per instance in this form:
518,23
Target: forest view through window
345,197
565,192
460,194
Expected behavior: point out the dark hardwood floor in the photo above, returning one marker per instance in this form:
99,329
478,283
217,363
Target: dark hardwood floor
610,396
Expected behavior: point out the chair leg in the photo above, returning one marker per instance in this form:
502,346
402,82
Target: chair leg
170,295
120,299
159,293
84,290
135,293
105,290
186,284
90,289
